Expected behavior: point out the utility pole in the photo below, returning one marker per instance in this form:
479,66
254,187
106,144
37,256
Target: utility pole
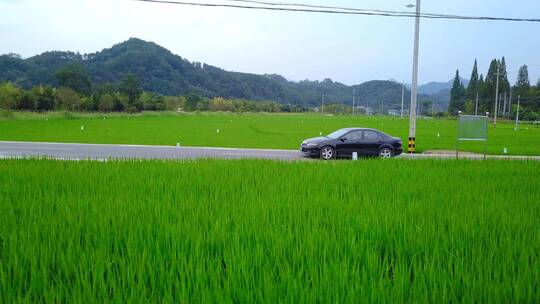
367,106
476,105
510,104
496,96
501,101
517,115
353,97
322,104
504,105
402,99
412,108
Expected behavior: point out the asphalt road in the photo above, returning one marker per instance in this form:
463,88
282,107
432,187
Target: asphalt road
102,151
13,149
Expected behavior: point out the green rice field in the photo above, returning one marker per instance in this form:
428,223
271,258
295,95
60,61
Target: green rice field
251,231
276,131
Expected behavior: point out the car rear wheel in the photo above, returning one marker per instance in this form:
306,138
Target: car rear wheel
386,153
327,153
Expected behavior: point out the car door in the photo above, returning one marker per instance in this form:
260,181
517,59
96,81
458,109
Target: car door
349,143
370,143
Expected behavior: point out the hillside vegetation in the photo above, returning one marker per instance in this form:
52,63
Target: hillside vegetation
162,72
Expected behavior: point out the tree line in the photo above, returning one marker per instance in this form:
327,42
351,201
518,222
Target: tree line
76,92
480,94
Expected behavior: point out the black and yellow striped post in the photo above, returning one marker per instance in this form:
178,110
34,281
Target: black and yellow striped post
412,141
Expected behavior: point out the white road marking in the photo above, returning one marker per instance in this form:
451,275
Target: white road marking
240,149
259,155
141,146
37,148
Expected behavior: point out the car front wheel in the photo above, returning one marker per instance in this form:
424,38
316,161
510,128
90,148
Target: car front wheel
327,153
386,153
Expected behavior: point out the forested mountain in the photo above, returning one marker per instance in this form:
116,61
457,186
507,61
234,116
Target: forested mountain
165,73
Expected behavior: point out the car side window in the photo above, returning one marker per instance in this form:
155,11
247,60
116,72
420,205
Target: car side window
370,135
354,136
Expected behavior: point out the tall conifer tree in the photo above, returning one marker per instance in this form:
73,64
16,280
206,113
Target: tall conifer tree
457,95
504,84
472,89
523,78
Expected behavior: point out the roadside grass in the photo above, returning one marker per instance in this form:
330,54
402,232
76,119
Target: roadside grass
278,131
252,231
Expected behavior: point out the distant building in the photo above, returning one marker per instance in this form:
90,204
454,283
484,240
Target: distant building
364,110
398,112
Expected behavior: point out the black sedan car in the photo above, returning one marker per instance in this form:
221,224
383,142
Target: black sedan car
344,142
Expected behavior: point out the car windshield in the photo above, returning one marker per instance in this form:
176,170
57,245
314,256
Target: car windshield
337,133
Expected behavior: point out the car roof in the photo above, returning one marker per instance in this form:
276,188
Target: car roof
360,129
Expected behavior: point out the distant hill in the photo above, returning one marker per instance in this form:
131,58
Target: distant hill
165,73
435,87
439,92
442,95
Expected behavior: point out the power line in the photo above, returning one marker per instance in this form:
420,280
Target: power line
342,11
389,14
412,14
319,6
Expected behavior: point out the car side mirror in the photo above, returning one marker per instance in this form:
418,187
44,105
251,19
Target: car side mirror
343,139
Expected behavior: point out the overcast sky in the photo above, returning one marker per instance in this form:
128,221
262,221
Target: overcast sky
349,49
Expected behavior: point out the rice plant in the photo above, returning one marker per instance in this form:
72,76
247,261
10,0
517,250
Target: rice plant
251,231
